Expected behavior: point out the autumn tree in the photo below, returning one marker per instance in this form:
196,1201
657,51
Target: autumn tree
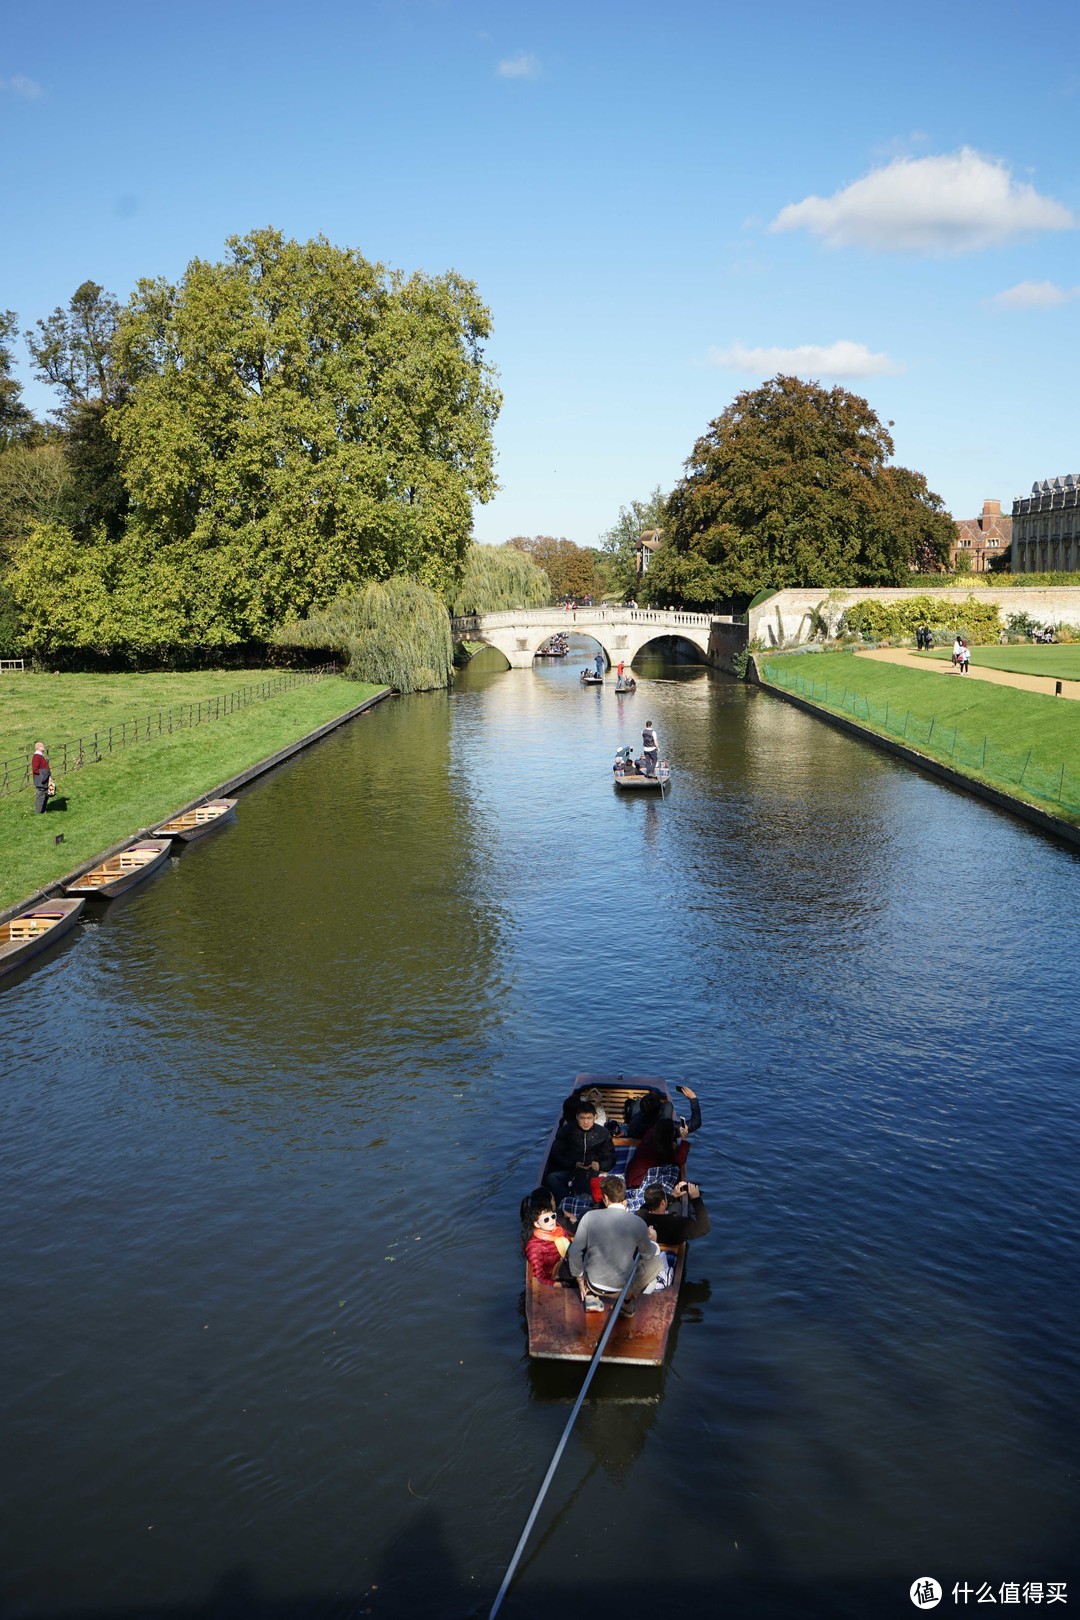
571,569
792,485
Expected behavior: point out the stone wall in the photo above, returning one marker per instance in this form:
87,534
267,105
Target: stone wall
726,638
784,619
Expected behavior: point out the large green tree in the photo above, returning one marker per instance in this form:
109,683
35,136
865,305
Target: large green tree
619,542
495,578
299,421
74,351
791,485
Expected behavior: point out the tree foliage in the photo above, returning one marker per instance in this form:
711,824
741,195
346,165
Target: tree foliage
791,486
499,577
16,420
300,421
394,633
35,488
74,350
619,542
571,570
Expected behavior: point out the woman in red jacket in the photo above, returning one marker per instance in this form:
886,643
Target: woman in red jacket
664,1143
542,1238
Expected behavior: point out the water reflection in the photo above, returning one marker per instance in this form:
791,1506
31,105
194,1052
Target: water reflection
266,1126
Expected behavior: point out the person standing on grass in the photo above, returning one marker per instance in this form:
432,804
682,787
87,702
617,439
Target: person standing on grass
39,771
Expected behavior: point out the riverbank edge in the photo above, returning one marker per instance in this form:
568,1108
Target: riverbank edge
1054,826
241,779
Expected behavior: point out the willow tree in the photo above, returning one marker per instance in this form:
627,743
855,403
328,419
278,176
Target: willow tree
395,634
792,485
300,421
498,577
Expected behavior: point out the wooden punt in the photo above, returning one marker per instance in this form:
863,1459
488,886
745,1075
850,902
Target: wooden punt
626,683
560,1329
35,930
121,872
198,822
637,779
590,678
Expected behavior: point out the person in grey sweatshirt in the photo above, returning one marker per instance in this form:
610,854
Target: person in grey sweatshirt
602,1253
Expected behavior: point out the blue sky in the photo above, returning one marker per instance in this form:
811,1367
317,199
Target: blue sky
660,205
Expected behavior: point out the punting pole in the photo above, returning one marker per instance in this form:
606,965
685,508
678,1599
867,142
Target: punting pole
561,1447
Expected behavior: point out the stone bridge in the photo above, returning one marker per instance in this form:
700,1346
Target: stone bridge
621,631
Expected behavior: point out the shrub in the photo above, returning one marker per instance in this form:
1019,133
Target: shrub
393,634
978,621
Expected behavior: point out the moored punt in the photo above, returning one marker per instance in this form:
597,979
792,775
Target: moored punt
34,930
560,1329
638,779
196,823
121,871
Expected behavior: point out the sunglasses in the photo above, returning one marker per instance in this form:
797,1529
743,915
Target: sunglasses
545,1216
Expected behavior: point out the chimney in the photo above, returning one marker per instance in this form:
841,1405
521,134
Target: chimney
991,509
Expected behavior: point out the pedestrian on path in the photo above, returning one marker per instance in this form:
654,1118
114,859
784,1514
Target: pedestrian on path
965,657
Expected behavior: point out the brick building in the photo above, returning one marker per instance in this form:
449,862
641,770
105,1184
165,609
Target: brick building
1046,527
984,538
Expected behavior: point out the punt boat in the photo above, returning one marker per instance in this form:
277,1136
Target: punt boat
589,677
626,683
34,930
636,779
198,822
121,872
560,1329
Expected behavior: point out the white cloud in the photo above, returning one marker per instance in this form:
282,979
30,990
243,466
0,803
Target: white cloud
840,359
20,85
1034,295
950,204
522,66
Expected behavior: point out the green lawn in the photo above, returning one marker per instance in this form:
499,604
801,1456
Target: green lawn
1026,744
1056,663
133,788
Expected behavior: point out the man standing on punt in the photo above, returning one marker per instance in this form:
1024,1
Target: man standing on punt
650,748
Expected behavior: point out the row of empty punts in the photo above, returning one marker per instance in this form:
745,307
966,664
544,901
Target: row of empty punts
42,925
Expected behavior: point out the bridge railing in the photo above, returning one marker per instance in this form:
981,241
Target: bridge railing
560,618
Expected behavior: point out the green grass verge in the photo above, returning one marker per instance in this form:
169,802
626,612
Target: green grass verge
1022,743
1056,663
108,801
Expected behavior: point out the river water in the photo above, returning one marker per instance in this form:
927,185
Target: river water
266,1124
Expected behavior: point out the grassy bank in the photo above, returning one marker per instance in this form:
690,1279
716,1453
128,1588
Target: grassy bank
1021,743
1055,663
105,802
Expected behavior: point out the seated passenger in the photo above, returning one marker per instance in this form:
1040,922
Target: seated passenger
665,1143
585,1094
580,1151
665,1215
642,1113
544,1242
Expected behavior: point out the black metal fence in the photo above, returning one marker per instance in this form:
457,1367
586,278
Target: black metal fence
106,740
